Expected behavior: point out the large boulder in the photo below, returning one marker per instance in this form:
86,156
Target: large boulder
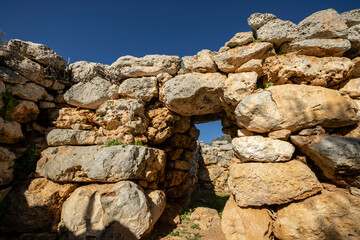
149,65
59,137
295,107
260,149
317,47
258,184
101,163
6,162
29,91
245,223
323,24
9,76
84,71
354,38
91,94
257,20
144,88
25,111
330,215
232,59
10,132
202,62
351,17
326,71
37,52
35,206
337,157
111,211
194,93
240,39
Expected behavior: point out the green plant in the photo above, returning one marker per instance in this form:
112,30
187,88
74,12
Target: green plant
269,84
186,214
113,143
10,102
174,234
278,54
102,117
197,236
183,67
26,164
214,183
195,226
139,143
257,40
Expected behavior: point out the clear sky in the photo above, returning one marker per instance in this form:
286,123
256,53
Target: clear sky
102,31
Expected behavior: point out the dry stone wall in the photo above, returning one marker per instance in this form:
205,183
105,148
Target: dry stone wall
117,140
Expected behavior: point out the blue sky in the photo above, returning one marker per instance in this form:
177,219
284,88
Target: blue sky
102,31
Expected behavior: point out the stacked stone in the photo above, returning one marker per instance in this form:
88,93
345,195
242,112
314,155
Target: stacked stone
214,162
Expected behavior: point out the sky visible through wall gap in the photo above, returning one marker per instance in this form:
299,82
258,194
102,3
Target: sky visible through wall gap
209,131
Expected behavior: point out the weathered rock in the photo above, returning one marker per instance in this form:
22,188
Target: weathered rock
323,24
257,20
205,217
337,157
59,137
242,132
157,204
68,117
125,116
245,223
352,88
277,32
239,85
144,88
232,59
38,52
318,130
330,215
193,93
163,78
258,184
283,134
25,111
118,211
10,132
260,149
354,38
149,65
254,65
91,94
326,71
6,162
35,206
351,17
295,107
101,163
10,76
161,125
43,104
317,47
84,71
240,39
355,73
29,91
202,62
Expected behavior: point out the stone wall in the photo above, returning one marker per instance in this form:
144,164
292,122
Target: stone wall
120,138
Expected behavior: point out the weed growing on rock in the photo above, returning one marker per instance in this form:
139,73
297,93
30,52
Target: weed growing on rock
174,234
195,226
113,143
10,103
139,143
257,40
269,84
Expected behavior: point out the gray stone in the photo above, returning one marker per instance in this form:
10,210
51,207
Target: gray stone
260,149
201,62
84,71
101,163
193,93
240,39
351,17
29,91
10,76
144,88
91,94
59,137
254,65
257,20
354,38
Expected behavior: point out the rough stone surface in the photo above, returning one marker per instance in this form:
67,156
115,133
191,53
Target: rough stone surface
258,184
352,88
29,91
351,17
59,137
245,223
295,107
354,38
317,47
240,39
232,59
202,62
101,163
239,85
260,149
123,210
25,111
193,93
123,116
149,65
10,76
91,94
204,217
6,162
10,132
277,32
337,157
37,52
257,20
69,117
280,134
330,215
144,88
326,71
35,206
323,24
84,71
254,65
